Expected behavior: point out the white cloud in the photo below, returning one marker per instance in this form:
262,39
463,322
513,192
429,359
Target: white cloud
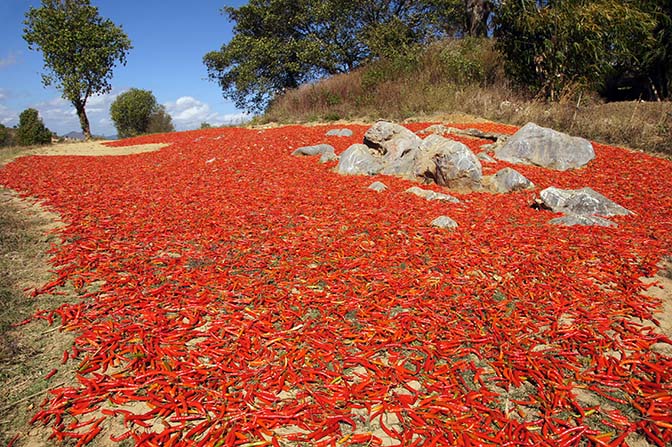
60,115
9,60
8,117
188,112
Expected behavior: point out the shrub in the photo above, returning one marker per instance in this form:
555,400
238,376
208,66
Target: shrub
136,112
160,121
5,136
31,130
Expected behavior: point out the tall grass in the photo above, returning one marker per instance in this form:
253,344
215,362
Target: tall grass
467,76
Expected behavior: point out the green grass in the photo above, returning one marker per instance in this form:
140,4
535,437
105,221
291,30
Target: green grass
28,352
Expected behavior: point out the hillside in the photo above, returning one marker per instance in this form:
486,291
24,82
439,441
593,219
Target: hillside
467,76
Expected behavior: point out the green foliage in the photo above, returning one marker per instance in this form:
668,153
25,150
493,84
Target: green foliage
469,60
5,136
79,47
160,121
554,46
136,112
205,125
281,44
31,130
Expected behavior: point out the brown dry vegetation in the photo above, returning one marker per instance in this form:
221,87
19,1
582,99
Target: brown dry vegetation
449,77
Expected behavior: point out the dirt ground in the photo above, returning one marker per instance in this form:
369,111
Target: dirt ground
93,148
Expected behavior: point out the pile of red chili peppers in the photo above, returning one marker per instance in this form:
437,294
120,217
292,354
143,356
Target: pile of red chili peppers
235,295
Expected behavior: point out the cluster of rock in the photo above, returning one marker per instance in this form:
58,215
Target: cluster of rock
392,149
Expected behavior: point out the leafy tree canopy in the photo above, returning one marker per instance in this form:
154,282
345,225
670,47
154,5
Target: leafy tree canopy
281,44
79,47
556,46
137,112
31,130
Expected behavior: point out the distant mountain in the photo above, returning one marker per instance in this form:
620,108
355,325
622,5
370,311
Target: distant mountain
74,135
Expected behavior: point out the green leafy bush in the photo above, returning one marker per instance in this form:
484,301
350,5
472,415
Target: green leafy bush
31,130
136,112
5,136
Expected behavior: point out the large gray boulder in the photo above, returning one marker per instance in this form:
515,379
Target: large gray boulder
359,159
396,144
507,180
448,163
545,147
582,202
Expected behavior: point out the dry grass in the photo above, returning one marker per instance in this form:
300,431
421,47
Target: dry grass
449,78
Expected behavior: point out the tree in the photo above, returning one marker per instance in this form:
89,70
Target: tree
79,47
5,136
553,46
136,112
31,130
477,14
281,44
160,121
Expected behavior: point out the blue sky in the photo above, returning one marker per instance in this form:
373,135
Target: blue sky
169,39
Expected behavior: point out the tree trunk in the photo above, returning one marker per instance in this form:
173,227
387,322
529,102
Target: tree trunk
478,13
83,119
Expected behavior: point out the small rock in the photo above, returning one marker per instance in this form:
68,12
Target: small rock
318,149
328,156
508,180
431,195
378,186
485,157
444,222
339,133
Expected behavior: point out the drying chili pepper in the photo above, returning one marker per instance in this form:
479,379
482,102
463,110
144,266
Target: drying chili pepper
262,299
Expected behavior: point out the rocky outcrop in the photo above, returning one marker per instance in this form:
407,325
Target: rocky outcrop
544,147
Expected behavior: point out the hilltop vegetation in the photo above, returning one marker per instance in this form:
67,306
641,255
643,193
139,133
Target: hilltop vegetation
555,62
468,76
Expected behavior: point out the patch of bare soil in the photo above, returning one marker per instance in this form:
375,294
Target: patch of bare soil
661,288
93,148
